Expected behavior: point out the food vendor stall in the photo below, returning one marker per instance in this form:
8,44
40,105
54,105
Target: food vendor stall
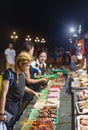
79,92
43,112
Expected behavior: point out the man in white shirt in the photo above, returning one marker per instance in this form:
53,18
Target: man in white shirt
10,55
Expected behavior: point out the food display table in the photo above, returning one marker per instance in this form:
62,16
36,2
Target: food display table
79,96
46,106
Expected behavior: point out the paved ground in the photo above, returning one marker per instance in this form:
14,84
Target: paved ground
64,113
65,109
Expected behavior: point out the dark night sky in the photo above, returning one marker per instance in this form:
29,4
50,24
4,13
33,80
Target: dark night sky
47,18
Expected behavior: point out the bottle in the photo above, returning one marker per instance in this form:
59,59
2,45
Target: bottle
51,68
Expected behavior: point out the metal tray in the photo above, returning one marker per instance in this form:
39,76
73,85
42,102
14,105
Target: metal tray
77,88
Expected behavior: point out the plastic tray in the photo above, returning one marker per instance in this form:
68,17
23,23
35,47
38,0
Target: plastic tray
55,70
79,87
44,91
54,97
34,113
40,104
44,96
78,121
60,70
25,127
56,120
78,109
50,76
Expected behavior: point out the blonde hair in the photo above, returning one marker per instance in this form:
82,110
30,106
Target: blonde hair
23,58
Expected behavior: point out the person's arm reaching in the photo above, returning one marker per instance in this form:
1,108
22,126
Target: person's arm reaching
28,90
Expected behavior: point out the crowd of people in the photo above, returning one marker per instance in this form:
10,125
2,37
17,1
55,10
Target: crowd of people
19,84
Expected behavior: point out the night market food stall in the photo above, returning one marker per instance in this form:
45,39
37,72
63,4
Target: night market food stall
42,113
79,90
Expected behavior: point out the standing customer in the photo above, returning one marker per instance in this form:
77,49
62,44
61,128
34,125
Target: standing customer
73,60
12,94
29,47
31,82
10,55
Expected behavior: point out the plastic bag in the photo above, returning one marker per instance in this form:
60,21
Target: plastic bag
2,126
9,116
